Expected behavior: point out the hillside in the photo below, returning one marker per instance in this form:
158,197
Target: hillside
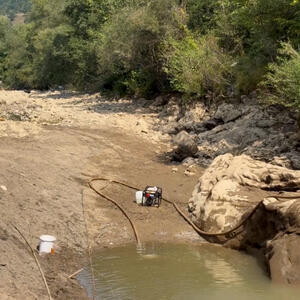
207,51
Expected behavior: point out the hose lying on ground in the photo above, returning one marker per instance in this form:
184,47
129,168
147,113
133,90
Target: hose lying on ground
36,260
116,203
230,232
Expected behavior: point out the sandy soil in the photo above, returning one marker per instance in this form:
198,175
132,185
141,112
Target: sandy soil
51,144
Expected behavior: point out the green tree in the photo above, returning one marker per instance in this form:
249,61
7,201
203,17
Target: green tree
197,66
282,82
4,29
18,61
202,14
253,30
130,50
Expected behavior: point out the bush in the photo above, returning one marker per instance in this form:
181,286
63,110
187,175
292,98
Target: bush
252,31
202,15
282,83
18,63
196,66
129,49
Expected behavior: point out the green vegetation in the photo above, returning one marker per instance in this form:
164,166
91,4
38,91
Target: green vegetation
10,7
197,66
196,47
282,82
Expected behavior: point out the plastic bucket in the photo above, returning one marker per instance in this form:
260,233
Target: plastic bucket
46,243
139,197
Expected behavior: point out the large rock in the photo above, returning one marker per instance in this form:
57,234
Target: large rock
230,113
284,258
231,185
231,188
186,146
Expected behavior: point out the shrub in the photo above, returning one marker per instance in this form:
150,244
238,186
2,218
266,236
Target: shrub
18,62
129,49
282,83
196,66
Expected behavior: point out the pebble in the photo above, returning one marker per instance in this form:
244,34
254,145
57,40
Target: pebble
174,170
3,187
189,173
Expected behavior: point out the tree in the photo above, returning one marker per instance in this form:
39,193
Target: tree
4,29
281,84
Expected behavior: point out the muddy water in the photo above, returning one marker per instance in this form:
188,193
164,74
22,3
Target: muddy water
168,271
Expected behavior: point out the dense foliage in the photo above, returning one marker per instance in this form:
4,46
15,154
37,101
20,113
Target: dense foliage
11,7
196,47
282,83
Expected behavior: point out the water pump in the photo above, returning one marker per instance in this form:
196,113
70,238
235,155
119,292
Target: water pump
150,196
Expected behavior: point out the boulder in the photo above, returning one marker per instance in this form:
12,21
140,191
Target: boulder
186,146
232,184
229,191
284,258
229,112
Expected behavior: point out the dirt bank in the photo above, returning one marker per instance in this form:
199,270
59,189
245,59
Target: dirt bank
51,144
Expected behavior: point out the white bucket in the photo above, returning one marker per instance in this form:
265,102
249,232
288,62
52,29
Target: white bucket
139,197
46,243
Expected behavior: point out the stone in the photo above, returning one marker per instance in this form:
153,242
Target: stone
294,158
228,112
189,173
227,180
194,114
142,102
210,124
189,161
282,162
169,128
284,259
231,188
186,146
159,101
265,123
3,188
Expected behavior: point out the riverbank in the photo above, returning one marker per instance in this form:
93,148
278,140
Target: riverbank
51,144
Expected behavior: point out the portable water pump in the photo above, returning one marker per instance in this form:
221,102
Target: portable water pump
151,196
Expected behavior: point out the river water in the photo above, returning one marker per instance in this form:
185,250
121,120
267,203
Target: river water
180,272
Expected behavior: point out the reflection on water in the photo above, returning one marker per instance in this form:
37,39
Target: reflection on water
175,272
222,272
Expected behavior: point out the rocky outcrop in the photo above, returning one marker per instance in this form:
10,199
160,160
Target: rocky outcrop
228,192
246,127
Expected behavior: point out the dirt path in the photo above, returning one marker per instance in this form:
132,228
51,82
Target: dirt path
51,144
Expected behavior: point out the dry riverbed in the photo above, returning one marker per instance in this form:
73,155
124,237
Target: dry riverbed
51,145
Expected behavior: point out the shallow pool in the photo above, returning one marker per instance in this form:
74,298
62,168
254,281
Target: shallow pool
168,271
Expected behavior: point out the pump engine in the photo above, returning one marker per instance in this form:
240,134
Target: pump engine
151,196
